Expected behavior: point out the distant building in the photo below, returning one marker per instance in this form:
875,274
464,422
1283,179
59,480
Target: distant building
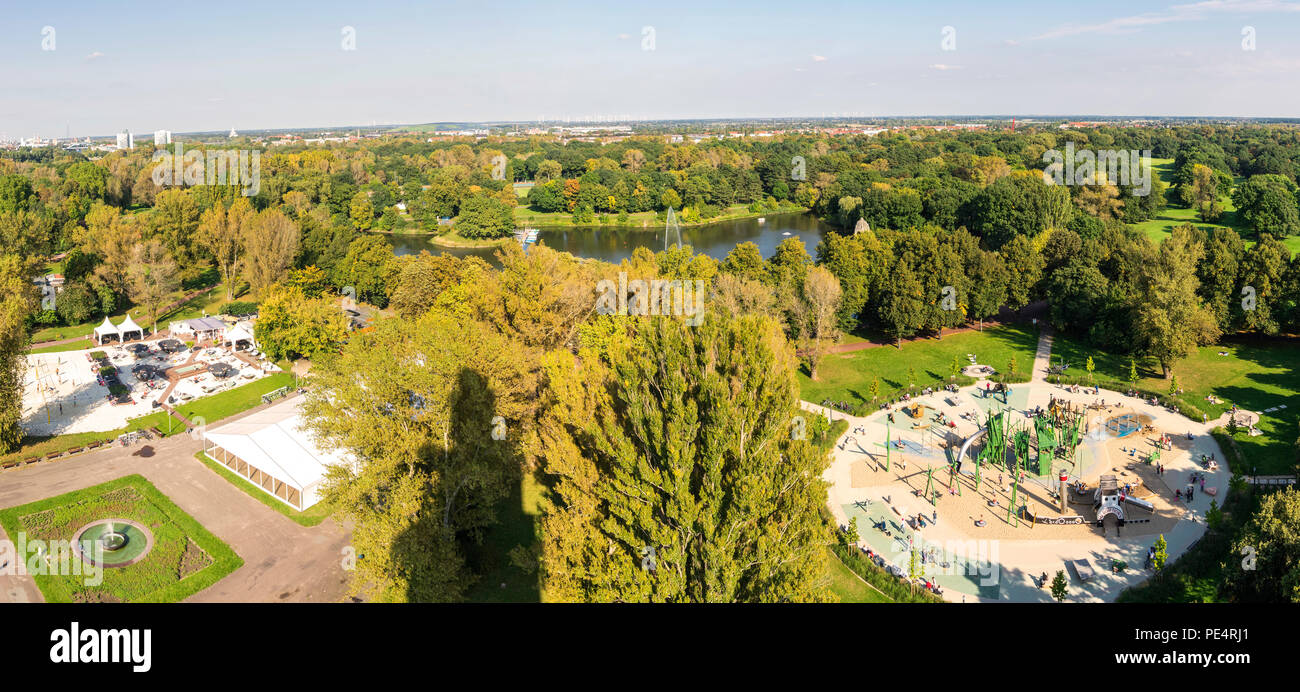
162,138
233,134
125,140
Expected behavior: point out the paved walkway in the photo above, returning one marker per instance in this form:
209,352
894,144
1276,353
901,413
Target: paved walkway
283,561
1043,356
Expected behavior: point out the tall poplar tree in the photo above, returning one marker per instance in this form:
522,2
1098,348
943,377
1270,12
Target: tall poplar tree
429,409
1171,318
675,470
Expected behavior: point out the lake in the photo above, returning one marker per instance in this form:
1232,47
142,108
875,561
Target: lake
613,245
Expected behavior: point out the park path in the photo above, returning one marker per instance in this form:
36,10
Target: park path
283,561
1043,356
155,335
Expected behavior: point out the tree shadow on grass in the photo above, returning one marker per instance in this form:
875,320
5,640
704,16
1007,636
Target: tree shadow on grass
484,527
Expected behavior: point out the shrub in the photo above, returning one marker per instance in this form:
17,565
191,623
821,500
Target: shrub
891,586
239,307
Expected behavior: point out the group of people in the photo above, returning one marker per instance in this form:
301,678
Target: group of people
841,405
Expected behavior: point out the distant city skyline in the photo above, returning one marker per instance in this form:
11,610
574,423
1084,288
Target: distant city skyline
84,69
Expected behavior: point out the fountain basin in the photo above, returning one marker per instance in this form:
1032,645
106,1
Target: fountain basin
113,542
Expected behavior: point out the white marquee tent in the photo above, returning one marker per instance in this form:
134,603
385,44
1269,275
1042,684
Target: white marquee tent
271,450
128,326
237,334
120,331
106,329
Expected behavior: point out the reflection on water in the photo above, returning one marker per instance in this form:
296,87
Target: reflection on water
613,245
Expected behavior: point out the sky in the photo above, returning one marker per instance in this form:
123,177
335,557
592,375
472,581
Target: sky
94,68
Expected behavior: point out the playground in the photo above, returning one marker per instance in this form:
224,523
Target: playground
1023,480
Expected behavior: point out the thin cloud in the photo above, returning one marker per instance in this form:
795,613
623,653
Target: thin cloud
943,68
95,56
1175,13
819,58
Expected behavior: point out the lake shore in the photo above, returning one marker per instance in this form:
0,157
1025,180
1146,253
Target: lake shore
639,221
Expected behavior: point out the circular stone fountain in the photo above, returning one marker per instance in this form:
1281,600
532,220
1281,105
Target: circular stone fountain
113,542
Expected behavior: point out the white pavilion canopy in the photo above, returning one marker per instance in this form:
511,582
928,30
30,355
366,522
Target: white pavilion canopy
128,326
120,331
237,334
106,329
271,449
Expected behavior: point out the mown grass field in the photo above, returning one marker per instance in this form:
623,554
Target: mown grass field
209,301
849,587
210,409
848,376
1162,226
1255,375
185,557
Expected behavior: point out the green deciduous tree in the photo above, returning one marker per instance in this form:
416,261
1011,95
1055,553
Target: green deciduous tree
1171,319
291,324
673,473
415,403
1060,587
154,277
1264,565
902,309
17,300
1267,203
482,216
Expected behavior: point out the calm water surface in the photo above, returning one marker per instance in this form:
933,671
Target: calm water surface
613,245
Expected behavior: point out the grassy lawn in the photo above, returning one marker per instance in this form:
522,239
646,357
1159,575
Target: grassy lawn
39,446
848,376
1162,226
185,557
455,239
850,587
500,581
221,405
1254,375
210,301
62,348
312,516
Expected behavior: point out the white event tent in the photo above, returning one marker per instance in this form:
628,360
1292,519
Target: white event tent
120,331
237,334
273,451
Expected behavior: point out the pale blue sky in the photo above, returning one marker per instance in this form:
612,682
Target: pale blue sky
216,65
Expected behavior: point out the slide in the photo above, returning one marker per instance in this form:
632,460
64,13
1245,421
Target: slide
1140,503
